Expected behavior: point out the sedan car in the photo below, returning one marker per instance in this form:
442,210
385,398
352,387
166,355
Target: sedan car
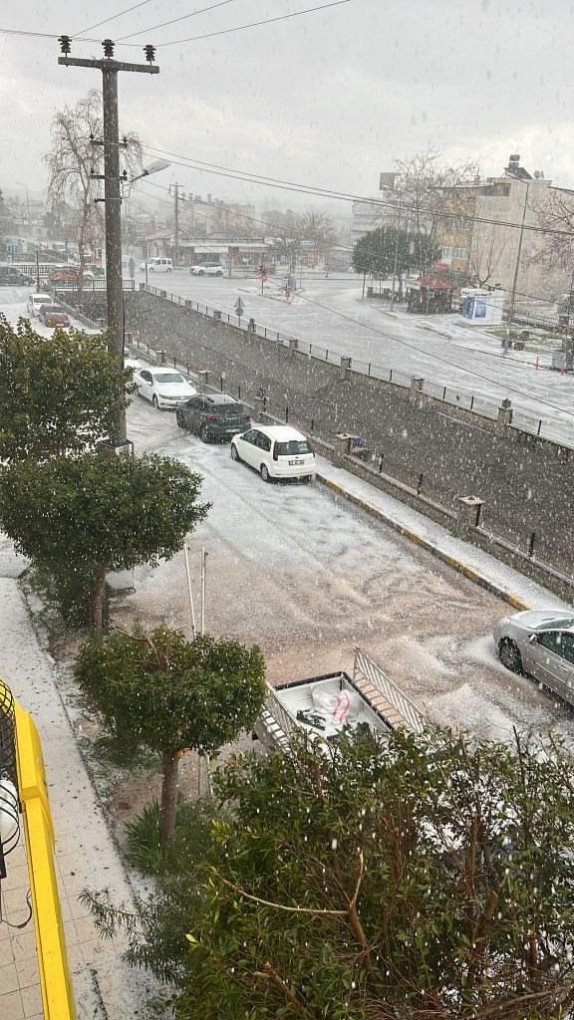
275,451
540,644
207,269
163,387
53,315
213,416
35,302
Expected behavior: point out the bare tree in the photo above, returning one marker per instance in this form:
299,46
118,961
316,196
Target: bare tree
555,213
485,254
421,184
73,158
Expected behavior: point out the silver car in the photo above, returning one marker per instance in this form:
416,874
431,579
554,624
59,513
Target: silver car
540,644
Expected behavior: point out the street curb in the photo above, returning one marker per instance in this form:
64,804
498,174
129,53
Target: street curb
462,568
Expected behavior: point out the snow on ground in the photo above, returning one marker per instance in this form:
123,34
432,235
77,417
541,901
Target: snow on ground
331,314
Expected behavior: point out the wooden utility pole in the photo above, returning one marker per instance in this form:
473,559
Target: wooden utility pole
112,191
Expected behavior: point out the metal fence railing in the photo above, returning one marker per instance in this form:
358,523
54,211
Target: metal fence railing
371,671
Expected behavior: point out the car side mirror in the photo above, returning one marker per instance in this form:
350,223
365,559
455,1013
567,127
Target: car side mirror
533,639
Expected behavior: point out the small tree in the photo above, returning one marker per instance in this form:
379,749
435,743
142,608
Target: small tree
171,695
99,512
58,393
389,252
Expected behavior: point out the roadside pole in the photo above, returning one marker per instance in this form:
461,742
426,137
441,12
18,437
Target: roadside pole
112,191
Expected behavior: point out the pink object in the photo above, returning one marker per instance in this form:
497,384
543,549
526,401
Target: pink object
342,708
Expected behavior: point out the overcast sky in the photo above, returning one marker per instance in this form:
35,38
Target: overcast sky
328,99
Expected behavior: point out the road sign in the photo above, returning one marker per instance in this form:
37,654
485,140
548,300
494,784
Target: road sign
239,307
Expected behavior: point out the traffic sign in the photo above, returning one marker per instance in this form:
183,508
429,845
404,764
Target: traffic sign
239,307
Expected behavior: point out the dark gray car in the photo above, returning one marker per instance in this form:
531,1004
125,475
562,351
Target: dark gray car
213,416
540,644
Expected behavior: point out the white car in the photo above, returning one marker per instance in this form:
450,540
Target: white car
163,387
35,302
207,269
275,451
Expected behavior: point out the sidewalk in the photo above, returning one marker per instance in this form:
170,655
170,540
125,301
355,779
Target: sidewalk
105,987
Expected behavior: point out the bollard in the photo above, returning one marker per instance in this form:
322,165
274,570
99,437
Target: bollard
531,544
420,484
286,411
381,462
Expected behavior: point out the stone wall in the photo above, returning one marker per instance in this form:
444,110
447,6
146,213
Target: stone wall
526,482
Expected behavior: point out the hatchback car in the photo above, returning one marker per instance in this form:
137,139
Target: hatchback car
160,265
275,451
53,315
213,416
207,269
35,302
163,387
540,644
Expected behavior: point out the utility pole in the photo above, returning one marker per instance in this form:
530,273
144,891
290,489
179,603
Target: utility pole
516,268
112,191
178,198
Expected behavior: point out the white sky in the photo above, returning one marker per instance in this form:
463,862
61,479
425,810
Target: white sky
329,99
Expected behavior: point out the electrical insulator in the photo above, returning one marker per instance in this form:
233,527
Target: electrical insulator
149,53
65,44
108,46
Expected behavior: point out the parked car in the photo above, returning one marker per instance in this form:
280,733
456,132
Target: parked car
35,302
53,315
207,269
213,416
540,644
163,387
10,276
276,451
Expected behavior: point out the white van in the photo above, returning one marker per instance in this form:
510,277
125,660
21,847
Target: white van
276,451
160,265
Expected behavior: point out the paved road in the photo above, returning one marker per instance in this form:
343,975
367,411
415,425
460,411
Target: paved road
309,578
331,314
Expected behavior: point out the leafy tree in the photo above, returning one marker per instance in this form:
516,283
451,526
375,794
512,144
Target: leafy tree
170,695
387,252
424,877
58,393
99,512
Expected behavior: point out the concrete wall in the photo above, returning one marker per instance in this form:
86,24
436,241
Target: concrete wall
527,483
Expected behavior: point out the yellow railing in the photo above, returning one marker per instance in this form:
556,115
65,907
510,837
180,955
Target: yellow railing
55,984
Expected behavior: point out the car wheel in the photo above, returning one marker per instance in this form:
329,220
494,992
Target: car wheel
204,434
265,473
510,656
201,273
234,453
154,402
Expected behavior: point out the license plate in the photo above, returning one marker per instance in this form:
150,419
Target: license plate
295,463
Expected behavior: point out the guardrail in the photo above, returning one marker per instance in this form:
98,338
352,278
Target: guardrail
549,430
371,671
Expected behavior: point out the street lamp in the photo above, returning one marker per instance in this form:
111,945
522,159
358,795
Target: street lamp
153,168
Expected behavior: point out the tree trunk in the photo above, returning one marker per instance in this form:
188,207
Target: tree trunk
97,598
170,763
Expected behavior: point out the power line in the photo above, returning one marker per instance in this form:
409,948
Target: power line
184,17
113,17
255,24
428,354
341,196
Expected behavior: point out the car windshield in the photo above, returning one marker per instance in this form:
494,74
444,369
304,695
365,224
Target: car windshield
293,446
168,377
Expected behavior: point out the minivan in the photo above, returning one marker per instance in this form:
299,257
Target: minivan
160,265
275,451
